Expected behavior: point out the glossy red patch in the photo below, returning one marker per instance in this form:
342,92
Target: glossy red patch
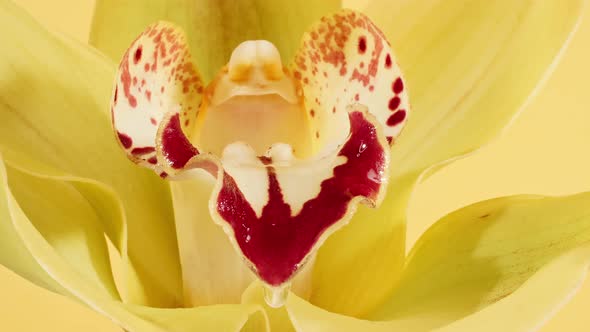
176,148
276,243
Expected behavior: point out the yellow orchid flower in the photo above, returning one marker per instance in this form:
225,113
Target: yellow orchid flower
503,264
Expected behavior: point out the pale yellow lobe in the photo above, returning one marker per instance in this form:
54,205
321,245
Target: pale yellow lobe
259,55
255,101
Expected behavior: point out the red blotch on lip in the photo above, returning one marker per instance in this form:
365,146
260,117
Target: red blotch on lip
125,140
277,242
398,85
175,146
396,118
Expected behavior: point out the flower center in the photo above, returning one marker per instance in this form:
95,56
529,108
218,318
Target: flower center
253,100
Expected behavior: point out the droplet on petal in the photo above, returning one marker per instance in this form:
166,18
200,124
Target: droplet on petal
276,297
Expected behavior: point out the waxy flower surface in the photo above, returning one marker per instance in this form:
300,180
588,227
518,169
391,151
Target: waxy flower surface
259,127
292,149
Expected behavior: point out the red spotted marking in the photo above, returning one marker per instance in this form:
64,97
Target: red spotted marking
398,85
143,150
276,243
125,140
396,118
126,81
388,61
265,160
362,45
137,55
394,103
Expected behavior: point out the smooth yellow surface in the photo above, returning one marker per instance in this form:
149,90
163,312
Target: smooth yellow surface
566,273
544,152
225,25
469,67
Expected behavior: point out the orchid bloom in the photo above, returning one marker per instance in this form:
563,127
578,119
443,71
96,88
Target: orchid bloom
254,130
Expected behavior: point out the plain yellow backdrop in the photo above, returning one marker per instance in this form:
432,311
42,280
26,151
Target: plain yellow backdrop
545,151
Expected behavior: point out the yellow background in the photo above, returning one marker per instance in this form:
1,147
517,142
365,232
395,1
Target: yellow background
545,151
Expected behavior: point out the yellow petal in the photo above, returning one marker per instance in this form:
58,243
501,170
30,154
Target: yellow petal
524,310
469,68
491,256
223,318
537,300
482,253
67,222
212,270
49,244
15,256
365,257
278,318
213,28
54,97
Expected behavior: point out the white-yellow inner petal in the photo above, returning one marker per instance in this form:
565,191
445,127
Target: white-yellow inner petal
255,101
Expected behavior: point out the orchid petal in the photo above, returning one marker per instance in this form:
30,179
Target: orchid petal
478,74
157,82
469,67
15,256
278,318
481,254
486,258
54,108
212,270
64,219
535,302
213,28
539,298
67,222
345,59
47,245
